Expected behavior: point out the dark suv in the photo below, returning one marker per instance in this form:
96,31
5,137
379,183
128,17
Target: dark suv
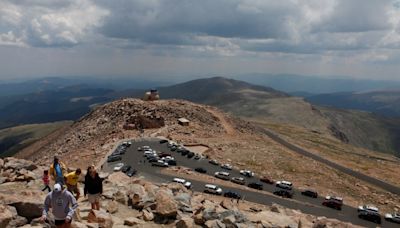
310,193
200,170
284,193
233,195
256,185
370,216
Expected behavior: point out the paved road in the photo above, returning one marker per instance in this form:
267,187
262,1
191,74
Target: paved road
381,184
305,204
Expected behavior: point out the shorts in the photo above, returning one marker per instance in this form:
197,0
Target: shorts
60,222
73,188
94,198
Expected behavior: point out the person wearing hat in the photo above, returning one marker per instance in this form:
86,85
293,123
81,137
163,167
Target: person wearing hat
63,205
57,170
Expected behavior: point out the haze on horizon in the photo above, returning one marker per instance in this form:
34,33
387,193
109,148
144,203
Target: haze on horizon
188,38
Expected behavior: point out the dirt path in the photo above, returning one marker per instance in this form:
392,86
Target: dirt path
227,126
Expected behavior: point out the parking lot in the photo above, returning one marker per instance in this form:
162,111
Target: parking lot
306,204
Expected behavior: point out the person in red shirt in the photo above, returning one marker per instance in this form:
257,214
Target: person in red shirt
46,181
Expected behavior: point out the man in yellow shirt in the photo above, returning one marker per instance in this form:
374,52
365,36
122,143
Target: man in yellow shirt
72,182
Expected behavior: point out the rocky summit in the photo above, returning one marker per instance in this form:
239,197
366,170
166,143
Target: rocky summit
135,202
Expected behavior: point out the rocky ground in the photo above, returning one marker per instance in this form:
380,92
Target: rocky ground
229,139
134,202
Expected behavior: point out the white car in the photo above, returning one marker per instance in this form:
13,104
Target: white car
185,183
212,189
284,184
226,166
368,208
393,217
246,173
222,175
118,167
149,153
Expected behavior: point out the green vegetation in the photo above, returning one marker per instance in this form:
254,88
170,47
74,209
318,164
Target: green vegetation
16,138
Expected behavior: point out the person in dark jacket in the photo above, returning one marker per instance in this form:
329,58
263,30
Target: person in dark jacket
93,187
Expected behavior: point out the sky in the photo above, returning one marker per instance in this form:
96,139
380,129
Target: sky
179,38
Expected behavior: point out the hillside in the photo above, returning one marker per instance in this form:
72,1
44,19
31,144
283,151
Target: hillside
263,104
16,138
384,102
229,139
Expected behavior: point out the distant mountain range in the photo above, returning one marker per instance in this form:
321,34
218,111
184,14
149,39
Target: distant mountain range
386,103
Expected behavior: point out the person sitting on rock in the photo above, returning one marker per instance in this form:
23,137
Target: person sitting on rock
63,205
93,187
72,182
57,170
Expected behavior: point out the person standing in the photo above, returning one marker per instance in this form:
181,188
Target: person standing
93,187
57,170
72,182
46,181
63,205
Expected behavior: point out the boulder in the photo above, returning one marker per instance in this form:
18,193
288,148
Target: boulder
29,204
120,197
132,221
75,224
111,207
7,214
103,218
185,222
273,218
18,221
214,224
147,215
17,164
165,205
118,179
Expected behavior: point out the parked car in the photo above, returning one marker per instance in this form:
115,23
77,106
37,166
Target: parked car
126,168
114,158
127,143
370,215
368,208
160,163
226,166
233,195
200,170
173,148
284,185
246,173
185,183
171,162
131,172
171,143
197,156
161,155
393,217
152,159
213,162
266,180
190,154
238,180
284,193
162,141
212,189
310,193
118,167
256,185
333,202
222,175
184,152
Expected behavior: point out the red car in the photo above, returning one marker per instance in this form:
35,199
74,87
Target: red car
267,180
333,202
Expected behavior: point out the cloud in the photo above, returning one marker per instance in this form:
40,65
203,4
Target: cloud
58,23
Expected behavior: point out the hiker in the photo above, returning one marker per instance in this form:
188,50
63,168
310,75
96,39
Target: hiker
63,205
46,180
72,182
57,170
93,187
